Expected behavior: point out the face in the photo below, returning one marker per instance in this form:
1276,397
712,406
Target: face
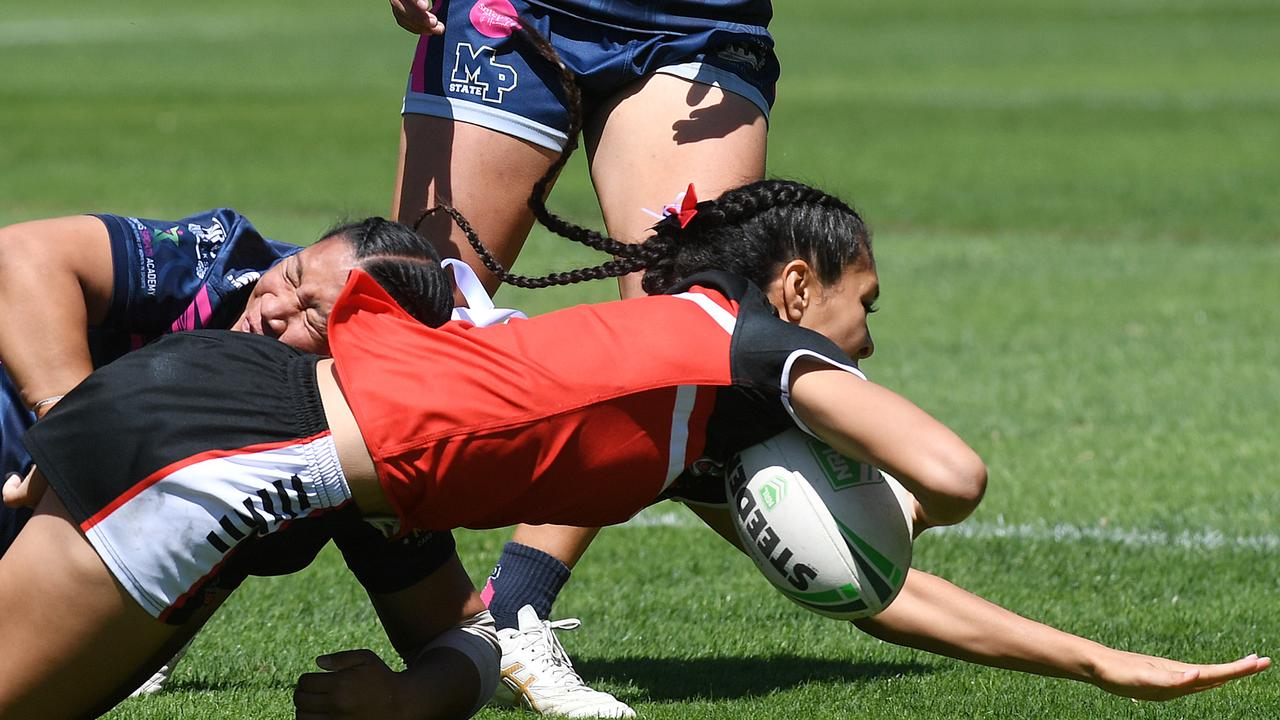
292,300
838,310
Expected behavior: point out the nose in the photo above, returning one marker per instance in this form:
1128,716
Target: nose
275,316
868,348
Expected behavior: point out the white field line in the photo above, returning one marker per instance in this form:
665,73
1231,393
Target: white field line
1190,539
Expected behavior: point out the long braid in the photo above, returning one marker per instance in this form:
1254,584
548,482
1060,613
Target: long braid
612,268
541,188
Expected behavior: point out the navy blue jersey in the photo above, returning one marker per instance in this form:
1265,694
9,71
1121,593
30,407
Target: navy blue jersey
197,272
179,275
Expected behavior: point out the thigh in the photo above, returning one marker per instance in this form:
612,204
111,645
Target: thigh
665,132
74,639
485,174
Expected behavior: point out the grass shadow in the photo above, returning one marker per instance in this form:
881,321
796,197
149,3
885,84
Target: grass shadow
677,679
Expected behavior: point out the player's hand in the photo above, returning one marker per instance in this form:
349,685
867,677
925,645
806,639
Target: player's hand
1152,678
24,491
357,685
416,17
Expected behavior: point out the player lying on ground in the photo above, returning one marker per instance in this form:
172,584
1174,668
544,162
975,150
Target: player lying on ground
128,280
482,427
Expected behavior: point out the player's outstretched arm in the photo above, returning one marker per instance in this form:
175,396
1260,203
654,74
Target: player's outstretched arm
877,426
935,615
59,272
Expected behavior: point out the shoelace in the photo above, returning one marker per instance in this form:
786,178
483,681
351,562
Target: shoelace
550,649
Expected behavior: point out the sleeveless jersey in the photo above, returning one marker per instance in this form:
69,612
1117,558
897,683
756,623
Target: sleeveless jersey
578,417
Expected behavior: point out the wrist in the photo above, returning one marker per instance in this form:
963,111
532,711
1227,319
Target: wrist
42,406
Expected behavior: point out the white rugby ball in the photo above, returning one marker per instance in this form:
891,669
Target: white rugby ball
830,533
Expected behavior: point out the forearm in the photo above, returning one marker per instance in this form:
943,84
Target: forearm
874,425
934,615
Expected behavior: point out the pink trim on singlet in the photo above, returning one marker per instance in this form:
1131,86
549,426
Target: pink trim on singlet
197,313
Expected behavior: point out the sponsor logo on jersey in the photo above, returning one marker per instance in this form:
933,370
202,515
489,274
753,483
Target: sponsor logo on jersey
242,280
173,235
757,526
839,470
751,55
494,18
209,241
477,74
147,271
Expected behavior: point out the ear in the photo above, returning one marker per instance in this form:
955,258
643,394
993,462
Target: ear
797,287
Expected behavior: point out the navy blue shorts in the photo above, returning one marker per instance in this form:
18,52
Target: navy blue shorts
481,74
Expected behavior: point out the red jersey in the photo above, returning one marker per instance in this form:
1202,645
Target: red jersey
578,417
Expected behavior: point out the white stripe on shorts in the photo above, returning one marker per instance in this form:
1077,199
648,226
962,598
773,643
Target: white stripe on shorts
162,542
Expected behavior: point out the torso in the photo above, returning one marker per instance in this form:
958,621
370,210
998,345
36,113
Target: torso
580,417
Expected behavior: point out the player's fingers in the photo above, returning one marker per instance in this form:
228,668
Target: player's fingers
12,489
313,686
1226,672
346,659
23,491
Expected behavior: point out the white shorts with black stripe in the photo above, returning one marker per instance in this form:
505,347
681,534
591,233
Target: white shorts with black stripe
171,532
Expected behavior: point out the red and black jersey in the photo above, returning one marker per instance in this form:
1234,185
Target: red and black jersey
578,417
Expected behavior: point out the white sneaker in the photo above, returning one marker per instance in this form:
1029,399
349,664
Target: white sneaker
156,682
537,673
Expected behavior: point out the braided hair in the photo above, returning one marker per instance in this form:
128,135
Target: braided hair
403,263
751,231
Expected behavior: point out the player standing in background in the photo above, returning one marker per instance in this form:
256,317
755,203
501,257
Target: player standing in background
673,93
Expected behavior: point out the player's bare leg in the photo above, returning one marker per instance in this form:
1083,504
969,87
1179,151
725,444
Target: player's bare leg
486,174
75,641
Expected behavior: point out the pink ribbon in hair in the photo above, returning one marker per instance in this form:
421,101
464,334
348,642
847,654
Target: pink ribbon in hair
684,207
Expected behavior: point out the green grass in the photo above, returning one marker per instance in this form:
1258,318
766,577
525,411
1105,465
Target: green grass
1077,208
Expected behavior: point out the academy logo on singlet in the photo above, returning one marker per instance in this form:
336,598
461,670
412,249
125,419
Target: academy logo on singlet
209,241
477,74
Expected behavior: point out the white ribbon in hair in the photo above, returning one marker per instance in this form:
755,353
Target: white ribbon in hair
480,310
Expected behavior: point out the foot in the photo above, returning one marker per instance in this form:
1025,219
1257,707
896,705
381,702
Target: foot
537,673
156,682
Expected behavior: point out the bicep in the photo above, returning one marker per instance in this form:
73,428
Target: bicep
75,249
60,272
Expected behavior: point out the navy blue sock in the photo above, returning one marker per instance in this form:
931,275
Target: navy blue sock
523,576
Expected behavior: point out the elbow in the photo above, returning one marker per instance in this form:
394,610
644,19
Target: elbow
962,483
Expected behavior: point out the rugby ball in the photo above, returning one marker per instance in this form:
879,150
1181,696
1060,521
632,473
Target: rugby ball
830,533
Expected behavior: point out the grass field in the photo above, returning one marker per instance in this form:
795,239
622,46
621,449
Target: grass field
1077,208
